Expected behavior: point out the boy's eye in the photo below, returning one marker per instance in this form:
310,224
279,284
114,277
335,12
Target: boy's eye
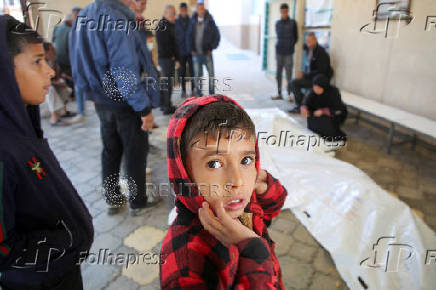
38,61
214,164
247,160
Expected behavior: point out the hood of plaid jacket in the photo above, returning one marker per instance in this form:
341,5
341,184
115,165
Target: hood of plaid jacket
187,194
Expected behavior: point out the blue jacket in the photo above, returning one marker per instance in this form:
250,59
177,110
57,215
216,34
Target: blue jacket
105,60
211,36
287,36
39,207
182,25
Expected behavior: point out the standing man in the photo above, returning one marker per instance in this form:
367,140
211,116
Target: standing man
203,37
319,63
287,37
182,24
168,54
107,69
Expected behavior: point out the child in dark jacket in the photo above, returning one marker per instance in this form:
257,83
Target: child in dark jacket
219,239
44,225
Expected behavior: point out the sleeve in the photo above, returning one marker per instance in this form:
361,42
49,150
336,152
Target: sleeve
217,35
125,68
26,249
296,31
195,270
256,266
273,199
323,63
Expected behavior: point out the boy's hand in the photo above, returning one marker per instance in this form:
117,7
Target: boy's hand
261,183
225,229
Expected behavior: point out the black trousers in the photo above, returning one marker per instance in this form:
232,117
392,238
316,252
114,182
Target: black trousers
168,71
70,281
297,85
186,60
122,135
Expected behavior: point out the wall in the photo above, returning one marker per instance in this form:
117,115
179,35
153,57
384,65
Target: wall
237,22
399,72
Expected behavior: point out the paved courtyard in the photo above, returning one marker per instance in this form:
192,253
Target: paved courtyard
408,174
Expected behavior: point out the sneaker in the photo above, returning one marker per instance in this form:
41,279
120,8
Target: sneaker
295,110
277,97
138,211
78,119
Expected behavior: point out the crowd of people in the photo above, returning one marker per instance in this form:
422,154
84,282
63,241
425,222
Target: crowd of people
217,240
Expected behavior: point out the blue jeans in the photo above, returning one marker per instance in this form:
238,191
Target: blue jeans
198,61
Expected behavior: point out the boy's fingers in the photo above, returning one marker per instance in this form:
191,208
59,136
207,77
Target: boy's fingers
210,219
223,216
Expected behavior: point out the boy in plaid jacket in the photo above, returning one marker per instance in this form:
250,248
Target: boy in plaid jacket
219,239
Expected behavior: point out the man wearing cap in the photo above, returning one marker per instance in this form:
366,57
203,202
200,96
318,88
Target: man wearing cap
324,108
202,38
182,23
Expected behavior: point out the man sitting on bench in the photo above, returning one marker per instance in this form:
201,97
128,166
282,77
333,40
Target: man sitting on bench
324,109
319,63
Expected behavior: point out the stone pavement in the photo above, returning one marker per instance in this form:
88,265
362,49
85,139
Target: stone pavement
305,264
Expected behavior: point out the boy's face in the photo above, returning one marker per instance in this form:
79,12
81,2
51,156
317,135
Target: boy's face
33,74
224,173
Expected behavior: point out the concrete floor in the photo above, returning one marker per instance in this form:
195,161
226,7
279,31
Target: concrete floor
305,264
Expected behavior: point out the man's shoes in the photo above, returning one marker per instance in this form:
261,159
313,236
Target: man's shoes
277,97
138,211
147,208
78,119
295,110
113,210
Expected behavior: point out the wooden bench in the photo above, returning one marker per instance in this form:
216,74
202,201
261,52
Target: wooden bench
396,117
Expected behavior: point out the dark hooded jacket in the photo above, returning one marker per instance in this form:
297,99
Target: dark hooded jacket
41,214
211,35
193,258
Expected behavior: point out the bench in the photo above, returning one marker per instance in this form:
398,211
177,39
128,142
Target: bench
396,117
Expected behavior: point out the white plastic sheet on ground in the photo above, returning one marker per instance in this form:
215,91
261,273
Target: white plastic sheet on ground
371,236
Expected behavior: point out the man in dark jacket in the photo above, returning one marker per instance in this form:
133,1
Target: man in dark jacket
168,54
107,68
324,109
203,37
319,63
182,23
287,37
44,225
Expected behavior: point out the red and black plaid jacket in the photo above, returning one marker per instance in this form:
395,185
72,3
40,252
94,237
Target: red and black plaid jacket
193,258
